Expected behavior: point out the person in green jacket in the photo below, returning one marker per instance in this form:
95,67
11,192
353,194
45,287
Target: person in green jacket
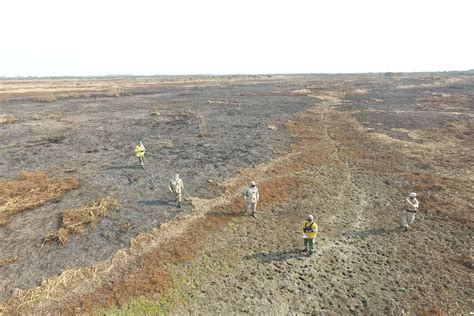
310,231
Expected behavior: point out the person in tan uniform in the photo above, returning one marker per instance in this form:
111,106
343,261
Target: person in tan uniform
409,211
176,186
251,197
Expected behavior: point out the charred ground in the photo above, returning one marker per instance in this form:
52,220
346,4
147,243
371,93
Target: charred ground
348,146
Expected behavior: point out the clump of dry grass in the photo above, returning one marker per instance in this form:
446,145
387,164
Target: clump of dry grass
167,143
35,116
302,91
75,221
272,127
187,115
45,98
4,262
219,102
55,138
117,92
155,113
360,91
31,190
7,119
57,116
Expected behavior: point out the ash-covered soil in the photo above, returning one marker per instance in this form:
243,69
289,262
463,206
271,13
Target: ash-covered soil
346,148
205,134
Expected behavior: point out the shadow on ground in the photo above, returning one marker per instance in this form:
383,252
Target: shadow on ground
125,167
157,202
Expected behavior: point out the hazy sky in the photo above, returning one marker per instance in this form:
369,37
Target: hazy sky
100,37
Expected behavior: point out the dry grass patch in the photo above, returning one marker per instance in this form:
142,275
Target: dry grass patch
302,91
452,197
166,143
7,119
219,102
150,273
55,138
57,116
117,92
278,191
45,98
75,221
31,190
272,127
4,262
360,91
444,101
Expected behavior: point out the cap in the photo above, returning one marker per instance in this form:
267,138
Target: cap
413,194
310,217
253,183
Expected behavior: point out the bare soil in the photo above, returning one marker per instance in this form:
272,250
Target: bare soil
345,148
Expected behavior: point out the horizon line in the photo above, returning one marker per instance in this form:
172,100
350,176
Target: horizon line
230,74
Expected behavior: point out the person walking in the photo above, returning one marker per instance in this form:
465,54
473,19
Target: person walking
251,197
409,211
310,231
140,153
176,186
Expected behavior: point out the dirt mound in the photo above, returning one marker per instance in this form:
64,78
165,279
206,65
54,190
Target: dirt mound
31,190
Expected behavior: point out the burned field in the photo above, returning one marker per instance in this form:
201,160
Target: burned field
347,148
93,142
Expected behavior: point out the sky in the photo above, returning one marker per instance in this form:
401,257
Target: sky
183,37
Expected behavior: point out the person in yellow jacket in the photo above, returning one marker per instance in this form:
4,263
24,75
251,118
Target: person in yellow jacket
140,153
310,231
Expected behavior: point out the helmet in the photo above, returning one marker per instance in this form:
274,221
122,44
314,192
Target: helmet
176,176
412,195
253,183
310,217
